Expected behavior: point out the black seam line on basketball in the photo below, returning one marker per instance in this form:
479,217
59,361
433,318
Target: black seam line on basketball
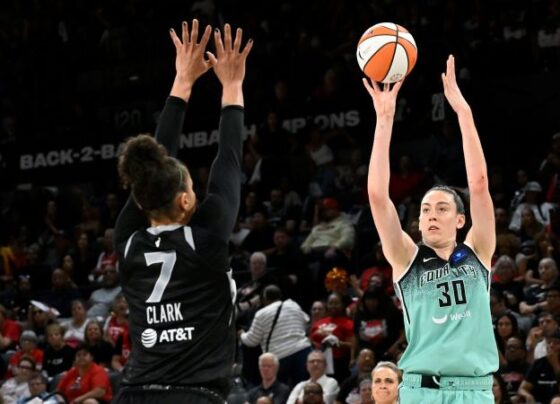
394,51
405,51
375,53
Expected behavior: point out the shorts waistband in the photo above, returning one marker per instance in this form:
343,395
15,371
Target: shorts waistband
448,382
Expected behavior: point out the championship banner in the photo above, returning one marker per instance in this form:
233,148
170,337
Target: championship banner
57,163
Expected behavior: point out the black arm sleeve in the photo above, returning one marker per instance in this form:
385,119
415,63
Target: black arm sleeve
168,130
219,210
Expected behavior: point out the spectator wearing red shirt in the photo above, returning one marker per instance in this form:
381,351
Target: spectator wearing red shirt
336,330
86,382
117,323
27,347
9,331
123,347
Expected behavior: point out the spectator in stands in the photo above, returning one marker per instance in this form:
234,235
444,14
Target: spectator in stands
350,390
67,265
329,243
107,257
101,350
499,390
312,394
377,323
287,260
333,231
86,382
530,226
366,396
250,205
337,331
385,382
532,195
536,334
22,298
318,310
9,331
59,356
61,294
102,299
316,367
38,271
270,386
261,234
39,316
515,367
16,387
527,261
506,327
84,260
28,348
123,347
110,210
38,392
498,308
76,326
507,242
117,323
541,383
536,342
553,300
378,266
503,279
248,295
535,295
285,337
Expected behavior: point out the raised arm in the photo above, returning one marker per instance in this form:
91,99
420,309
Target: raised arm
482,235
398,247
219,210
190,64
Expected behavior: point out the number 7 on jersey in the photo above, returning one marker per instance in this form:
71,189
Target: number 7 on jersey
167,261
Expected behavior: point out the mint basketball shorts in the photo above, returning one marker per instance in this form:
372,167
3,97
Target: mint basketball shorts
421,389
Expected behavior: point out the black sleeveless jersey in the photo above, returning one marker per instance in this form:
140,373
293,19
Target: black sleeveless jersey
176,278
180,306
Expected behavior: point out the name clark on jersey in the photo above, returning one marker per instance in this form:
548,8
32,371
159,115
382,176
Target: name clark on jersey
164,313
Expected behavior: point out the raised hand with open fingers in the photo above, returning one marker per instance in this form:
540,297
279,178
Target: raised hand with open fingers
451,88
190,61
384,100
229,61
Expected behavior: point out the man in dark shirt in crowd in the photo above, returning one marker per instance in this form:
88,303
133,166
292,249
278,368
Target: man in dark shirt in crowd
270,386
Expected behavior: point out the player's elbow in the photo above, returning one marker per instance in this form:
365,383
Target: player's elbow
478,185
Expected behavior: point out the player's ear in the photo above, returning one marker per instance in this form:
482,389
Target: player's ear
461,220
184,201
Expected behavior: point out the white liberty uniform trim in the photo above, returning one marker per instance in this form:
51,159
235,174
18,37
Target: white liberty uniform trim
128,243
189,237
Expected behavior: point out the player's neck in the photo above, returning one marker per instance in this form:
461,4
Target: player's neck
444,250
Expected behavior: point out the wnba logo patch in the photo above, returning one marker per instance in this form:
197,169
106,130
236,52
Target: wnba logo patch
149,337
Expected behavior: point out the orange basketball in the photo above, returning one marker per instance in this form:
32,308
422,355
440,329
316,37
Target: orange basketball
386,52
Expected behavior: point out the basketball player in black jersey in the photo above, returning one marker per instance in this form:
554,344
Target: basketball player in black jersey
173,254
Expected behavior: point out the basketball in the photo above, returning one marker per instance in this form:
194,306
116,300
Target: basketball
386,52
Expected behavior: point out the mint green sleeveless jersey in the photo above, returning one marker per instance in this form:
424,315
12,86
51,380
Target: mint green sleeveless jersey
446,308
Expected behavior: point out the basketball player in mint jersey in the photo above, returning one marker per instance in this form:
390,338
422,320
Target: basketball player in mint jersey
443,286
174,265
